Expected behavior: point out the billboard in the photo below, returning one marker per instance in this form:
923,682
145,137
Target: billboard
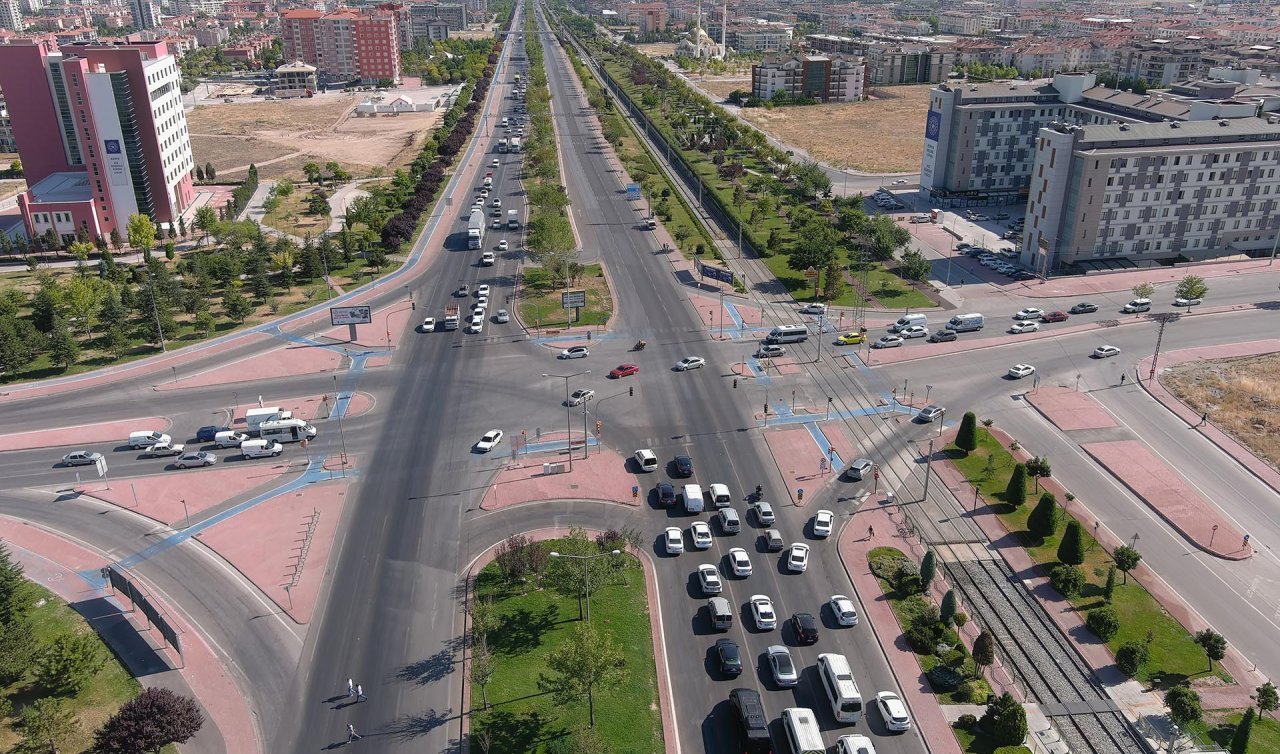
715,273
573,299
350,315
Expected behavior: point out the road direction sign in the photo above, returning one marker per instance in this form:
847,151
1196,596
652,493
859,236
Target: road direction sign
101,465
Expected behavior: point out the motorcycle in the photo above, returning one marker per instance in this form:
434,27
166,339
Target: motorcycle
639,346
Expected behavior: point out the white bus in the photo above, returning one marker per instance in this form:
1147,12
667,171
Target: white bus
803,732
842,689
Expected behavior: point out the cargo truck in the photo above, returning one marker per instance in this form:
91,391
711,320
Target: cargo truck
502,145
475,229
451,318
515,143
513,219
254,417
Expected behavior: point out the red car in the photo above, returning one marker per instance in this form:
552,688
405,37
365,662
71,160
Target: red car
1054,317
624,370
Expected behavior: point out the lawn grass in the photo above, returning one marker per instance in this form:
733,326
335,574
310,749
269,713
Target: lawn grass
979,743
540,304
1174,657
292,217
106,691
1264,738
532,624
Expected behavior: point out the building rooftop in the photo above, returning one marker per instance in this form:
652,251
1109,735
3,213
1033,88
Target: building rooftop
62,187
296,66
1229,129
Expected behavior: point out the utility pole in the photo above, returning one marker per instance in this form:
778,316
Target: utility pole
928,471
1164,319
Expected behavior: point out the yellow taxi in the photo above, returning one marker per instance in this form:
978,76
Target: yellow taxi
850,339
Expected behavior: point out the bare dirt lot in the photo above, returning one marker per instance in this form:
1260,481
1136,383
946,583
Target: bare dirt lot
883,135
1241,396
657,49
723,86
12,188
323,129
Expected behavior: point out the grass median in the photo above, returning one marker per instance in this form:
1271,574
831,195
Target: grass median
541,303
1174,657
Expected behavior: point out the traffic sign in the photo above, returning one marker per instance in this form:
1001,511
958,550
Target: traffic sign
101,465
811,274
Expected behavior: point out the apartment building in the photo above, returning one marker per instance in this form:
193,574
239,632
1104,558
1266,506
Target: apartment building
345,45
101,133
11,15
7,143
648,17
454,15
1161,62
968,24
212,36
758,37
889,64
296,79
818,77
1152,191
144,13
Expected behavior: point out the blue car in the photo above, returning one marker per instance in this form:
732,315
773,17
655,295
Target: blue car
206,434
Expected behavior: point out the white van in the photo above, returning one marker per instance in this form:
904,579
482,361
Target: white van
730,522
146,438
787,334
842,690
907,320
966,322
693,498
647,460
287,430
720,495
260,448
1137,305
229,439
803,732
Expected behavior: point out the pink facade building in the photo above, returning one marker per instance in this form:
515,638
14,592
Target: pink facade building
101,134
344,45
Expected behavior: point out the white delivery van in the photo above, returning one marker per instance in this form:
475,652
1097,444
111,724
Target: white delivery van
146,438
693,498
720,495
256,416
260,448
647,460
787,334
966,322
841,687
229,439
803,733
286,430
907,320
1137,305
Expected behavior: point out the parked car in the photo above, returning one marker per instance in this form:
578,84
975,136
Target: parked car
1180,301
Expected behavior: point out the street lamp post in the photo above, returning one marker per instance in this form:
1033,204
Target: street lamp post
341,435
928,471
586,582
568,415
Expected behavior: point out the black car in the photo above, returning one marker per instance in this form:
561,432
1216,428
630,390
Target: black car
942,336
207,434
1084,308
805,627
684,466
666,494
730,657
749,709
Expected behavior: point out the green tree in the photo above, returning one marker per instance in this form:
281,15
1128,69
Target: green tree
260,284
116,242
928,569
1268,698
17,650
586,660
63,346
46,723
312,171
1038,467
1071,548
46,304
815,246
199,174
1067,579
67,664
1240,739
984,649
1044,518
1005,720
1143,290
833,276
115,341
235,305
204,322
483,665
1015,492
1213,644
1184,705
148,722
209,172
15,590
1191,286
1131,656
577,578
141,232
284,187
82,298
967,436
948,610
1109,589
1104,622
1126,559
914,267
112,312
317,205
206,219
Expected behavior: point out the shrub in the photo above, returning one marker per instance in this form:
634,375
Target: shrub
928,569
1016,491
1104,622
906,579
966,722
944,679
1071,549
970,692
967,436
885,568
1044,519
960,619
948,610
1131,656
1005,720
1067,579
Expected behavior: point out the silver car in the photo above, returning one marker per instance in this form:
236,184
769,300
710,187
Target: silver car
198,458
81,458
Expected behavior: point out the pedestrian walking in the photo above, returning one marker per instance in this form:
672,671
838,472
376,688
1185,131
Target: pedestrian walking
360,697
871,532
1123,377
1204,419
351,688
351,733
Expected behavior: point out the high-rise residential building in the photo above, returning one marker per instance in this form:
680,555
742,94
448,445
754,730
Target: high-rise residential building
345,45
11,15
1152,191
890,63
7,143
817,77
101,133
453,14
146,13
648,17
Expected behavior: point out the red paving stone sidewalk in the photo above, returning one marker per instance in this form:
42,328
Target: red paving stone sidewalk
393,318
798,458
1258,467
264,543
306,407
159,497
1111,282
602,476
84,434
52,561
286,361
1144,474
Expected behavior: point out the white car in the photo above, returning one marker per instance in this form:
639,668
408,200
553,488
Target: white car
483,301
502,317
477,325
496,203
894,711
577,352
843,610
914,331
502,245
479,201
814,309
674,538
854,744
887,341
1186,301
798,558
1024,326
740,562
1029,313
1104,352
784,670
496,162
579,397
489,441
482,291
823,521
198,458
709,578
690,362
701,533
1018,371
429,324
764,514
762,612
769,352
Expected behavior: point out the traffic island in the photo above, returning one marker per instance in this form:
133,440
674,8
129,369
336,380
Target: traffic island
84,434
809,457
603,475
180,497
541,305
286,361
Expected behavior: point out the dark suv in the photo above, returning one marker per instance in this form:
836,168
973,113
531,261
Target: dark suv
729,656
805,627
684,466
666,494
749,709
